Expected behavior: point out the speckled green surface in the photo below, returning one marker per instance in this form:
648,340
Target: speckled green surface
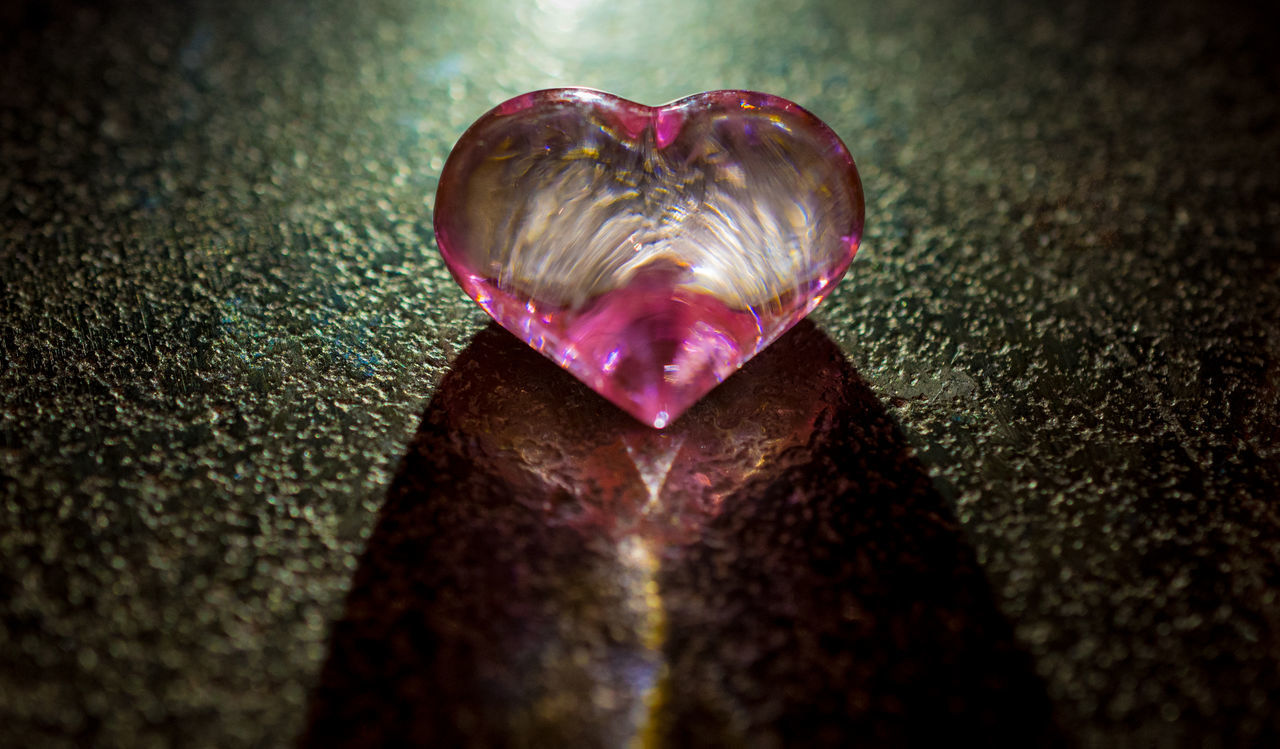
222,318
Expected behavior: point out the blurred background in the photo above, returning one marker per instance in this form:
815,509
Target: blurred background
267,477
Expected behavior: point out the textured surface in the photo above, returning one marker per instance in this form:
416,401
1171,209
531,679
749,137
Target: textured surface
223,318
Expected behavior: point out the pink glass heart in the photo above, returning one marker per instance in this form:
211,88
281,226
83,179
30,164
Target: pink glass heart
650,251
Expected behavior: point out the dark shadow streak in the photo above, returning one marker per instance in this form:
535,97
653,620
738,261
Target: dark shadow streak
795,581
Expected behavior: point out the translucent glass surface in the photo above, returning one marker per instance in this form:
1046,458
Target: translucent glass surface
650,251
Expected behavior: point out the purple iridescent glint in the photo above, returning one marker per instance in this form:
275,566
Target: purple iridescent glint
650,251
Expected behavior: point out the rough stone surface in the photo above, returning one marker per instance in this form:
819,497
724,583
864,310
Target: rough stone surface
222,319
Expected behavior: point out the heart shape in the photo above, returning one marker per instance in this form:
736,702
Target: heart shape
650,251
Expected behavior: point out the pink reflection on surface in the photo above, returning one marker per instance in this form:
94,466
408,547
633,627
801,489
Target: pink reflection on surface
610,477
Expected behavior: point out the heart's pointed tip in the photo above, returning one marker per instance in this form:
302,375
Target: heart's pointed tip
659,410
663,416
654,349
654,400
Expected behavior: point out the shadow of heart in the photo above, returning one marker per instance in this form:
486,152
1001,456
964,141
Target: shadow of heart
774,568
